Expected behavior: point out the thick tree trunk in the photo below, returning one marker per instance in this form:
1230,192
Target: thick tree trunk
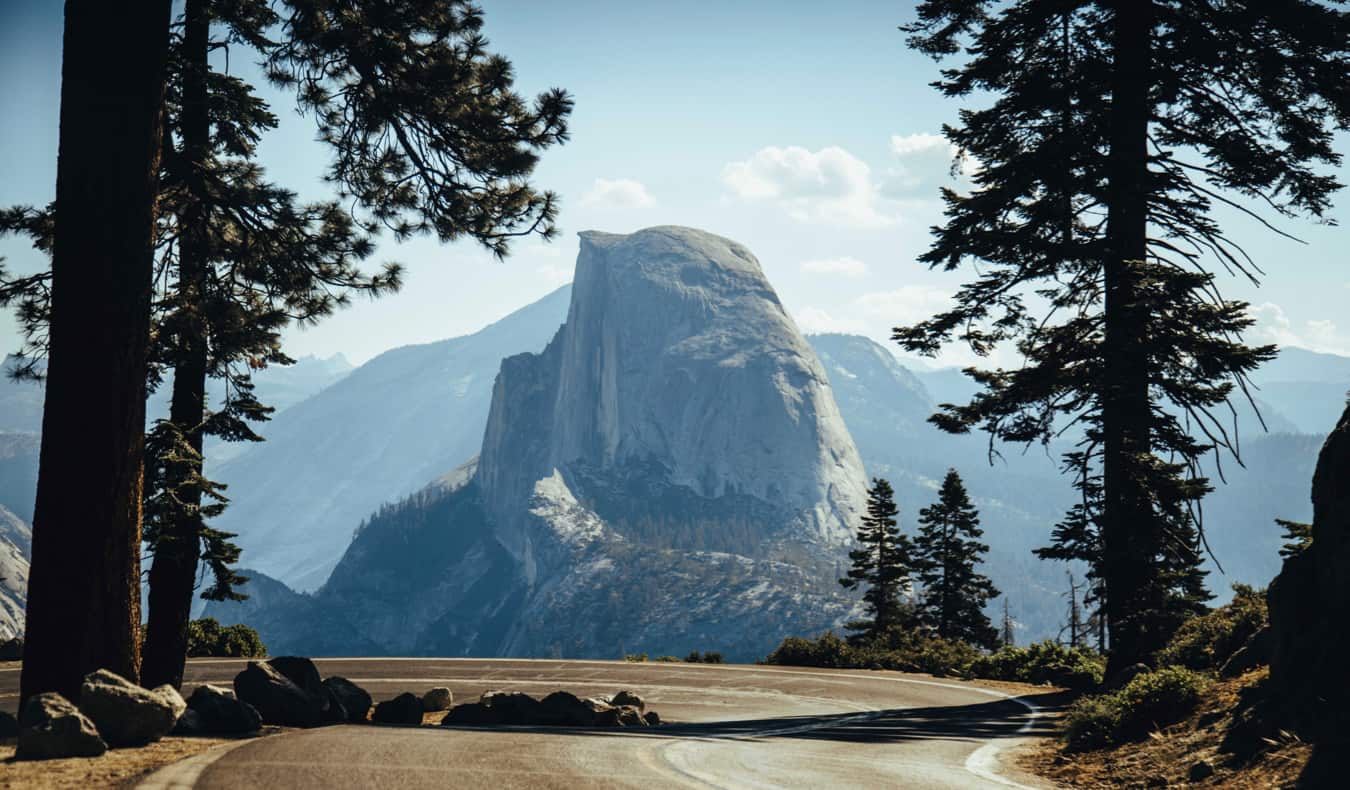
84,585
1129,531
174,572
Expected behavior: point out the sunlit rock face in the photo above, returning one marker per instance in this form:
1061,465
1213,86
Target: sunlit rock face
669,474
677,376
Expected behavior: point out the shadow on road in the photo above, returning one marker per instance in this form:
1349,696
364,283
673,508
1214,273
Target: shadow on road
1003,718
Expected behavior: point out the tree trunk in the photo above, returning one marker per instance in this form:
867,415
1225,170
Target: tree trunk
1129,531
174,572
84,584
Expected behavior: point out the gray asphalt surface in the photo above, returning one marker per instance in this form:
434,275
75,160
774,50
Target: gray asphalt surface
729,726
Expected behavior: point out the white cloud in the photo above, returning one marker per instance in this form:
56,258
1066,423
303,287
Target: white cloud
1273,325
845,267
905,305
829,186
816,321
617,193
925,161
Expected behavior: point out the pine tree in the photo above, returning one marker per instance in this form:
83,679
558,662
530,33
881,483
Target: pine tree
84,584
946,552
881,565
1075,626
1114,129
1007,635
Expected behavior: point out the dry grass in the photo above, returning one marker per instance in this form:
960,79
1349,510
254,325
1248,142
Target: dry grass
1165,758
116,768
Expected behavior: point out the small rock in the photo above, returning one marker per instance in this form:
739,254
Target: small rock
219,712
125,713
12,650
9,726
437,699
277,699
651,718
627,698
1120,679
607,716
405,709
353,699
564,709
1156,781
630,716
1201,771
50,727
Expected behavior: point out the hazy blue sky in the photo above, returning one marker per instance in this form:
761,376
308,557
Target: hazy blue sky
804,130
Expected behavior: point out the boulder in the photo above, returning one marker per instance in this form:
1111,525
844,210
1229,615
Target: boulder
354,700
630,716
438,698
1255,653
12,650
219,712
9,726
190,723
608,716
1200,771
125,713
405,709
513,707
651,718
50,727
277,699
1124,676
564,709
300,671
627,698
471,714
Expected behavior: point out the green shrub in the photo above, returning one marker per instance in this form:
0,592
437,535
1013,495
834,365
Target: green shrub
826,651
635,658
1150,700
1208,640
1042,662
207,637
900,650
712,657
694,657
1092,723
668,659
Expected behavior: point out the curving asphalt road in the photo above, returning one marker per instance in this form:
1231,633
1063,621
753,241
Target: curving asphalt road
729,727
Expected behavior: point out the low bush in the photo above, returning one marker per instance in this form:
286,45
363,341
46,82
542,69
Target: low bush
1208,640
208,638
1076,668
827,650
635,658
710,657
668,659
1150,700
900,650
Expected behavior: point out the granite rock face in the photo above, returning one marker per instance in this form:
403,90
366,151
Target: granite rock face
1310,603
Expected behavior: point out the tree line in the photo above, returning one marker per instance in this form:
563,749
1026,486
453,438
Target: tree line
173,259
1109,136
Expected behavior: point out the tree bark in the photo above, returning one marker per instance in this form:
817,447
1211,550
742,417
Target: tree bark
174,572
1129,529
84,584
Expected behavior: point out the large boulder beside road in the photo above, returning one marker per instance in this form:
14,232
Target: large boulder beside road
50,726
405,709
217,711
126,714
277,699
437,699
355,701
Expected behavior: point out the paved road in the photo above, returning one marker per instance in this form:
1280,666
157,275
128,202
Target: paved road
731,726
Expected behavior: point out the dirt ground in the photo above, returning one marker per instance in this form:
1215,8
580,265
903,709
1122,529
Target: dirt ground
1167,756
117,768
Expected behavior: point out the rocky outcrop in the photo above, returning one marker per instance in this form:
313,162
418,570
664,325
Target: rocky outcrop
1310,603
126,714
277,698
51,727
558,709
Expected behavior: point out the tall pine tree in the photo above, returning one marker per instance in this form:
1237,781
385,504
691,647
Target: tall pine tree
84,584
1114,129
947,550
881,565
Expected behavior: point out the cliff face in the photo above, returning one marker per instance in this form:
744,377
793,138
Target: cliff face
670,473
677,370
